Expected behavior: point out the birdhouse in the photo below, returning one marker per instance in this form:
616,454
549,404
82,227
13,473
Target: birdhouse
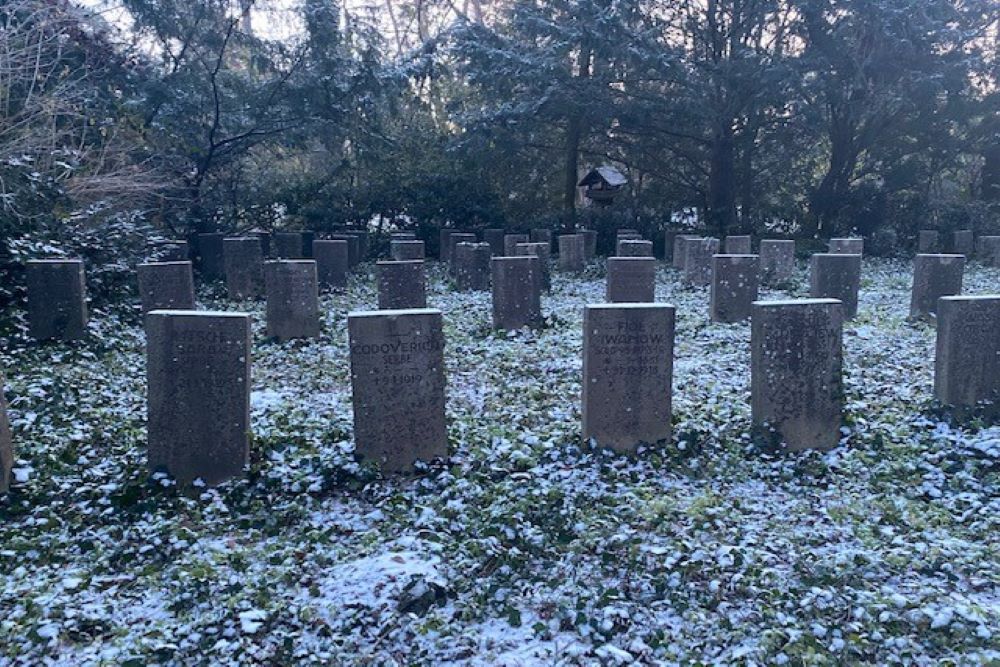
603,184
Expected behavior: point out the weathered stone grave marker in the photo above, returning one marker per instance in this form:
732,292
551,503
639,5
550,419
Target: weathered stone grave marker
735,286
166,286
631,280
934,276
472,266
698,260
401,285
292,298
542,251
57,306
244,261
777,260
198,379
398,379
572,253
836,276
406,250
333,262
516,292
967,364
737,245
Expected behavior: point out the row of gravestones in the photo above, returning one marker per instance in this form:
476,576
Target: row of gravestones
967,350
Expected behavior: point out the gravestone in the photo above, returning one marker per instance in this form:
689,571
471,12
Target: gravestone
927,241
735,286
631,280
402,236
934,276
244,267
398,382
333,261
589,243
963,242
353,248
516,292
198,383
669,238
836,276
846,246
634,248
307,244
405,250
777,261
57,306
292,298
680,248
572,253
628,352
265,242
967,365
543,251
454,240
287,245
364,242
737,245
444,247
472,266
628,235
796,372
211,256
988,250
510,242
6,444
401,285
541,236
166,286
494,237
698,260
168,251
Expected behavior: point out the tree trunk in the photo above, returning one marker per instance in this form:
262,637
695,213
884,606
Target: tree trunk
722,183
574,133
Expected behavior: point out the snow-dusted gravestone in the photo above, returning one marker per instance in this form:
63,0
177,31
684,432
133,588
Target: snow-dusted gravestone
680,249
631,280
988,250
494,237
6,444
963,242
166,286
454,240
967,366
795,378
934,276
589,243
777,260
572,253
168,251
927,241
735,286
401,285
211,255
541,236
353,247
543,252
472,266
333,261
287,245
292,298
836,276
634,248
849,246
198,383
444,247
57,306
511,241
517,287
403,250
737,245
698,260
398,379
628,352
244,261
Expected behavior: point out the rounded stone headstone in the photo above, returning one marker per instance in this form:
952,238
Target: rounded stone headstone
398,383
57,306
796,372
628,352
735,286
166,286
836,276
934,276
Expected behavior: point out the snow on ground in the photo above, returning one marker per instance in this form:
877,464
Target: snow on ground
526,549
